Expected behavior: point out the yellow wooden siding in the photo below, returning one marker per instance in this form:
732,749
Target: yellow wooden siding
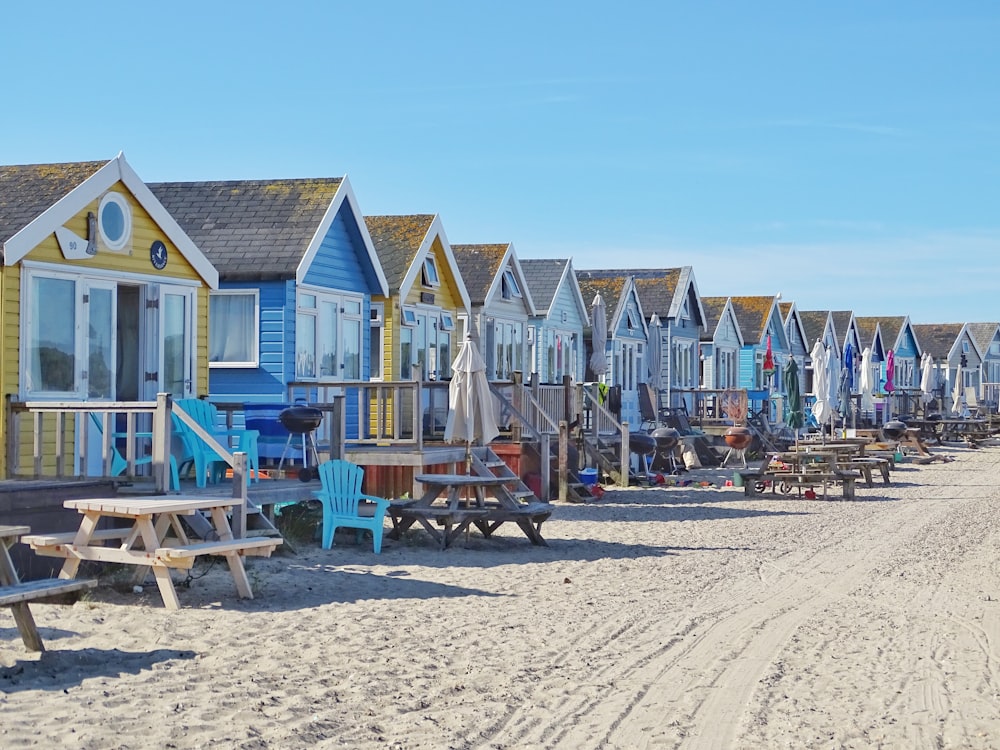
144,232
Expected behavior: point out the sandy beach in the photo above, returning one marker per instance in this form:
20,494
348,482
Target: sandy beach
657,618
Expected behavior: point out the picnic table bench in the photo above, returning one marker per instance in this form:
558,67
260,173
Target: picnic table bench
755,480
16,594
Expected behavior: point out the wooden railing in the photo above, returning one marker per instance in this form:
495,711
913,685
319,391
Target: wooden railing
53,439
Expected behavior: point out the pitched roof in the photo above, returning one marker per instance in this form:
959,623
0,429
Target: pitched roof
814,324
610,288
937,339
397,241
658,288
867,327
982,334
890,326
28,190
479,266
714,307
752,314
250,229
784,308
841,325
543,275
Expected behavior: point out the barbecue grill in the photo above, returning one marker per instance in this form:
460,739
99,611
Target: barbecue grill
894,429
666,439
301,420
643,446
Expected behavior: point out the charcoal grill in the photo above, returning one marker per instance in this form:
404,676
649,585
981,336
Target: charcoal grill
301,420
666,439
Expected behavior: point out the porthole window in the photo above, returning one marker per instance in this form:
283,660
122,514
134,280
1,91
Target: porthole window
114,221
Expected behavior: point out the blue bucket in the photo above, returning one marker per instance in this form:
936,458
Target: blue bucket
588,477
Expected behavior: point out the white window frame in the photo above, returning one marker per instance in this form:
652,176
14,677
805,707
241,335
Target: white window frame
376,321
447,322
254,360
509,288
408,317
341,300
429,275
123,243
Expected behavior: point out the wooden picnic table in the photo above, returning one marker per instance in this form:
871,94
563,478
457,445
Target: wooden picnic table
456,501
145,543
16,594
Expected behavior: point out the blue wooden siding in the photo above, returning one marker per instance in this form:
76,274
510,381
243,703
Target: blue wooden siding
565,302
342,263
748,365
909,346
267,381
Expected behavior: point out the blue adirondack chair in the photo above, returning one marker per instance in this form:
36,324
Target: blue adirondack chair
119,464
345,505
196,454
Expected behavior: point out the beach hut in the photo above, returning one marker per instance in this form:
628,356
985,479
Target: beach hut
957,358
104,296
500,306
556,346
895,333
625,344
987,338
721,342
760,322
426,297
817,325
297,272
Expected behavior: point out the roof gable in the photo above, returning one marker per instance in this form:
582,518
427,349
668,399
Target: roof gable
54,180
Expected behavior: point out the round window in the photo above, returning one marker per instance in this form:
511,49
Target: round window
114,220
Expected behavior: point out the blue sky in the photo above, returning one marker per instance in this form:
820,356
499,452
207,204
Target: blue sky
842,154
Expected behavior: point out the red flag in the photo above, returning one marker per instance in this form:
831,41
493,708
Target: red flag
768,358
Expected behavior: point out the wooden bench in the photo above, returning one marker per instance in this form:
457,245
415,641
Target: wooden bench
807,479
454,520
183,556
16,595
865,466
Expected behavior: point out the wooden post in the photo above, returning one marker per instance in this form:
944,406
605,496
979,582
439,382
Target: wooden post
568,399
545,447
517,397
338,429
563,460
240,493
626,465
161,443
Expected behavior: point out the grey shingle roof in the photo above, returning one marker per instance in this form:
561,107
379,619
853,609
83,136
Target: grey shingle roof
27,191
982,333
479,266
841,325
610,289
813,324
250,229
655,287
543,276
714,307
397,239
937,339
752,315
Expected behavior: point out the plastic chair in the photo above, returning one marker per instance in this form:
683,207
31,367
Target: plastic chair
119,464
342,502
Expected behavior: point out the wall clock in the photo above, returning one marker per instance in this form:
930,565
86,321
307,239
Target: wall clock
158,255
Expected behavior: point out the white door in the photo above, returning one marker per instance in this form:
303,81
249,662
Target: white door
170,343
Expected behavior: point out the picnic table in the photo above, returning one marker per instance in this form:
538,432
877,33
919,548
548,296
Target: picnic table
16,594
456,501
146,544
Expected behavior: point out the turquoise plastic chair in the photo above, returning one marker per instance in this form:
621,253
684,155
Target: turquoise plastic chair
119,464
342,501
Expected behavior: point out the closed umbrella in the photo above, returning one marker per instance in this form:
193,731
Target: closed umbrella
957,402
890,374
849,365
927,378
833,384
821,384
867,382
768,359
653,352
472,412
599,336
793,392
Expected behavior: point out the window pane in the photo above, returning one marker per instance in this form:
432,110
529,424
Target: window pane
444,355
405,353
51,350
329,367
99,361
231,328
352,350
305,351
174,330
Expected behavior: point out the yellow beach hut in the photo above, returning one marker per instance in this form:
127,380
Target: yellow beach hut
104,297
